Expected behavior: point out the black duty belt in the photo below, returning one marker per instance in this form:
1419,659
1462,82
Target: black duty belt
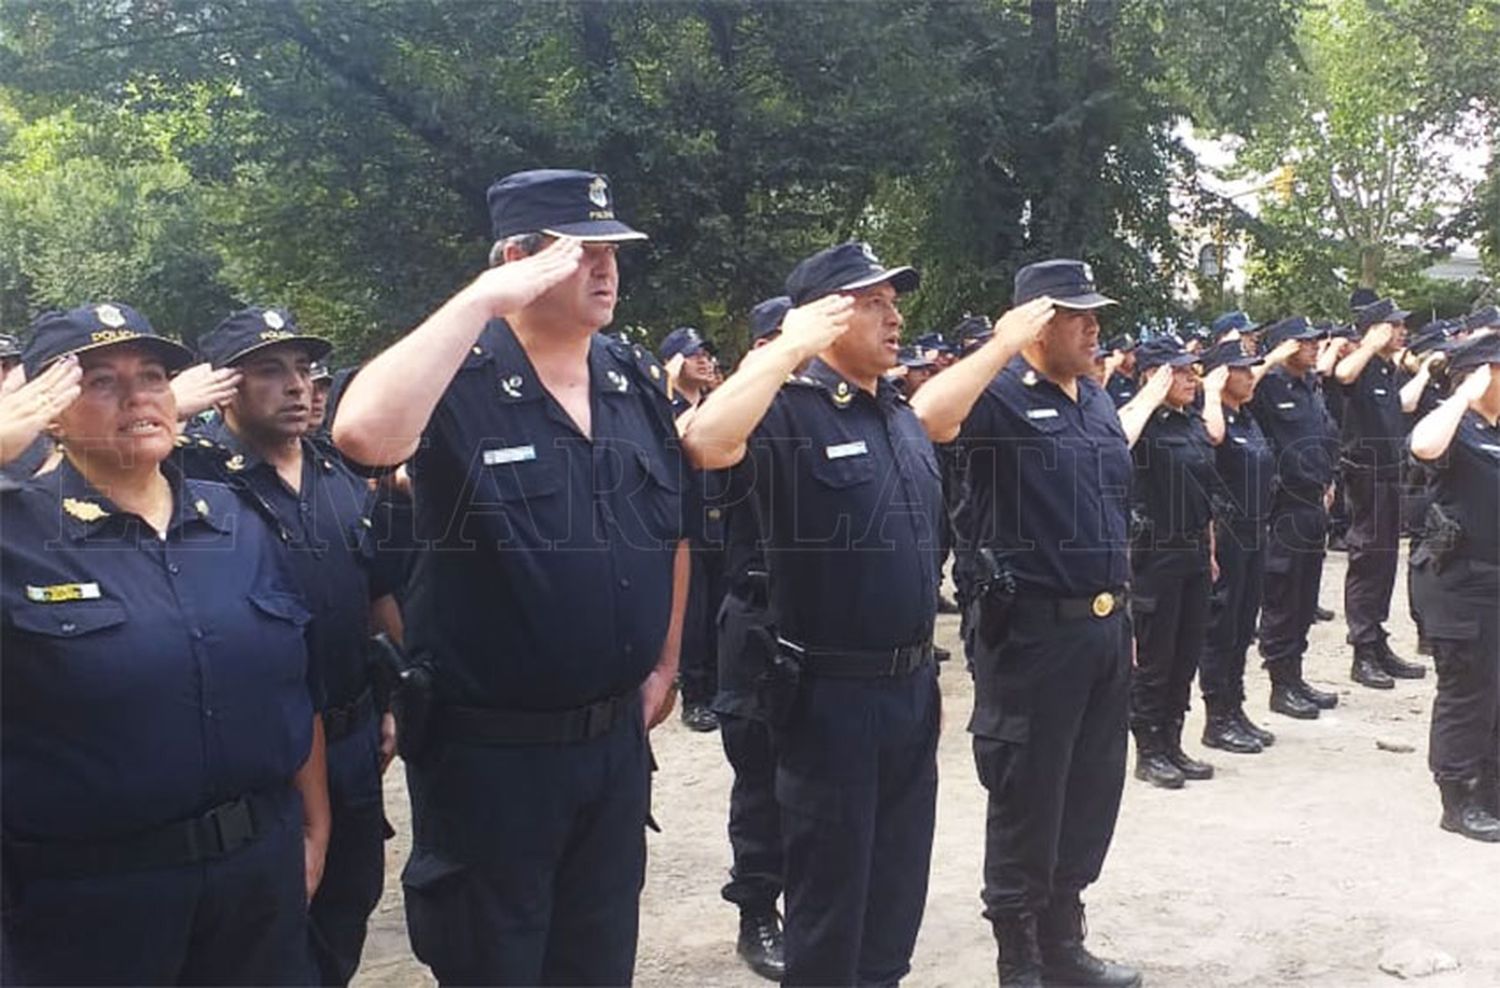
220,832
1100,605
857,664
487,725
340,722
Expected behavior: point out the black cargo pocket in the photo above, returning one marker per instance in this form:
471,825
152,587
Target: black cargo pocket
998,750
437,906
809,797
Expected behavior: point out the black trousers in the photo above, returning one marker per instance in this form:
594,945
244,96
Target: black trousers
698,667
354,871
1169,604
1374,541
527,860
1240,550
240,920
857,784
1293,574
1049,744
1462,619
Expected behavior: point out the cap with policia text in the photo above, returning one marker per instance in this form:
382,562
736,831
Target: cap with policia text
559,203
256,328
845,268
56,334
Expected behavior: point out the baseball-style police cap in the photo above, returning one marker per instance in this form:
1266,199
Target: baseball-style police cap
1430,336
56,334
766,317
1487,316
684,340
1362,297
1227,354
914,358
1290,328
1377,312
558,202
1233,322
845,268
936,341
1164,349
1124,343
1481,349
319,372
972,333
10,347
1068,283
256,328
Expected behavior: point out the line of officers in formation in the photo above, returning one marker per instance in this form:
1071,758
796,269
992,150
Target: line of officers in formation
196,715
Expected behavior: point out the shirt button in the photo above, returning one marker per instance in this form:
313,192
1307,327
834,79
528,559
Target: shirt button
197,634
67,627
303,507
173,568
624,583
629,649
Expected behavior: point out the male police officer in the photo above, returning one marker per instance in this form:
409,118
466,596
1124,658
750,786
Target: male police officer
1288,404
547,602
1373,450
260,447
1049,472
847,485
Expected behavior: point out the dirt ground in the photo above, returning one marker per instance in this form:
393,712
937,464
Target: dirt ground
1301,865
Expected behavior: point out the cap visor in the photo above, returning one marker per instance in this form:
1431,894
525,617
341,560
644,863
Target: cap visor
903,279
173,356
1084,302
316,346
598,231
1177,360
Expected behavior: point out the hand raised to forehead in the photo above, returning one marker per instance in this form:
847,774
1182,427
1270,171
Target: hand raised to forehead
200,387
1476,384
26,409
812,327
1023,324
512,286
1216,378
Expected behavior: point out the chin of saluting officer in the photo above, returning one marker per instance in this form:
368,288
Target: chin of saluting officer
1049,476
545,612
165,803
260,446
847,486
1457,581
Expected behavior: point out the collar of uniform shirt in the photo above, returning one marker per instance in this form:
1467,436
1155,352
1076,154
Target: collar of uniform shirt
885,391
84,510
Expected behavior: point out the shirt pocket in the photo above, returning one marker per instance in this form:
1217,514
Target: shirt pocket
71,620
840,472
661,494
514,480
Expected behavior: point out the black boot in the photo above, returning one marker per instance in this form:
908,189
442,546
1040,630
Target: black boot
1464,811
1265,737
1323,614
1223,730
1397,667
1367,671
1190,767
760,943
1066,961
1020,963
1322,699
1151,762
698,717
1287,699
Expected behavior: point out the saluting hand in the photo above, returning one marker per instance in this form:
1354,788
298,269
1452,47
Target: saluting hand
516,284
1282,352
1475,385
200,387
1158,383
810,328
1018,327
1379,336
1216,379
27,406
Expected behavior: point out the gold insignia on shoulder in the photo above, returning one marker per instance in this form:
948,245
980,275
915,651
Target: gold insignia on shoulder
274,320
235,463
201,506
842,396
83,510
206,443
181,441
110,316
1029,378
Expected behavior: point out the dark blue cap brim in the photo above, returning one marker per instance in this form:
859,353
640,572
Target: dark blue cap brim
597,231
903,279
1176,360
173,356
316,348
1093,300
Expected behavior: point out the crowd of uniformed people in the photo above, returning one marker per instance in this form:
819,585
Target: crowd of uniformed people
236,585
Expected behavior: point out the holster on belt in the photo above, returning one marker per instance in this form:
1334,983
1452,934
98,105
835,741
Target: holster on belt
996,594
1441,533
408,685
780,681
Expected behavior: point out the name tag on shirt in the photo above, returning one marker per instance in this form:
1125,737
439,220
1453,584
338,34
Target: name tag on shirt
59,592
1489,447
509,454
1379,391
856,448
1241,440
1041,413
1286,404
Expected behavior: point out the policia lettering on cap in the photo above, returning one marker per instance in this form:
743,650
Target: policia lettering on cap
546,639
846,485
1048,465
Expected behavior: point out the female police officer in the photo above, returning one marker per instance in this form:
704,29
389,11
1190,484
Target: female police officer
1456,581
165,809
1170,564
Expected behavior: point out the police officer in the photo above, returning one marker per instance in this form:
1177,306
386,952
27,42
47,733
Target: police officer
755,880
688,360
260,446
1457,580
1242,498
847,485
1288,405
546,607
1049,473
165,809
1424,383
1170,562
1119,378
317,415
1373,434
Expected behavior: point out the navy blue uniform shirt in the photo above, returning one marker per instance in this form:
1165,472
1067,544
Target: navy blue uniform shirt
744,555
1466,482
1246,467
1373,433
1121,387
1050,480
328,542
850,496
1295,419
544,579
145,679
1174,476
